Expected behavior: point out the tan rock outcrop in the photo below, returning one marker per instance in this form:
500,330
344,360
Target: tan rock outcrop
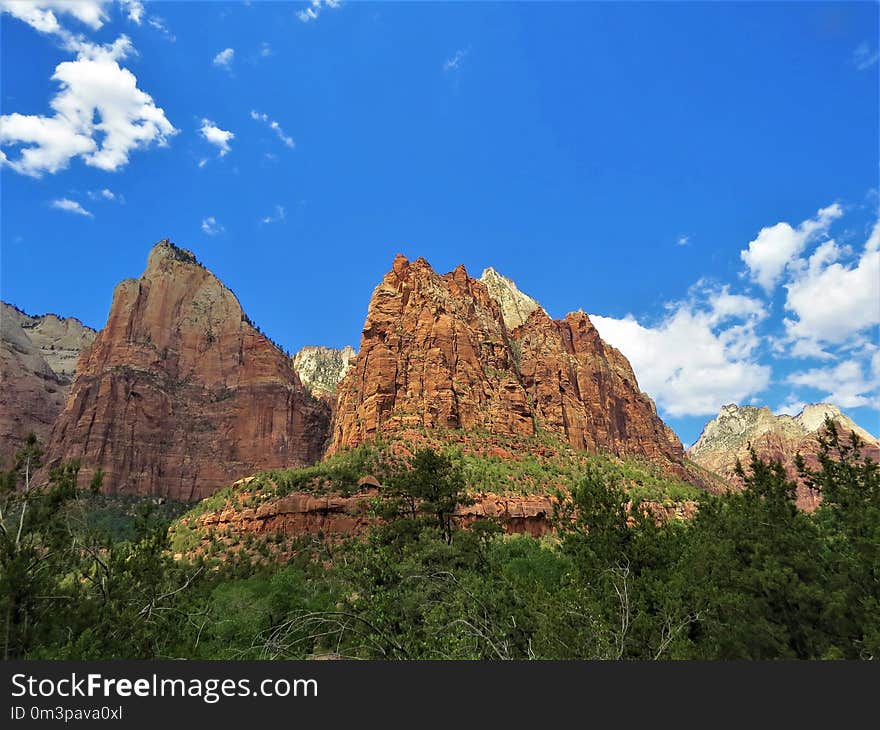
37,362
515,306
321,368
728,437
60,340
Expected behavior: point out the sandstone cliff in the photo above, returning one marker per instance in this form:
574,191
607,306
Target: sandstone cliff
179,394
584,388
728,437
437,353
301,513
337,516
321,368
37,363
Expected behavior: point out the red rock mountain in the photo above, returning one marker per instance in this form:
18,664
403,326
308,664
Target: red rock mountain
436,353
180,394
737,428
37,361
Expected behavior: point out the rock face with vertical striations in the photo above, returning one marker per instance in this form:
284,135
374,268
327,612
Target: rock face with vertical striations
180,394
437,352
728,437
583,388
37,362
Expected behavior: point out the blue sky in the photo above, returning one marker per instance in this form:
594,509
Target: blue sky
700,178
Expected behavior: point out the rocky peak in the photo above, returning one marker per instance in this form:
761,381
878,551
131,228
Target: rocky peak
515,306
436,353
736,425
812,419
180,392
813,415
166,251
321,368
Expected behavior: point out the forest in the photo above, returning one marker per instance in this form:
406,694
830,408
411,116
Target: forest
750,576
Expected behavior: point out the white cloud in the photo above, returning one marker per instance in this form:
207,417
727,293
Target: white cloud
218,137
103,194
312,12
159,24
723,306
42,15
454,63
278,217
100,115
864,57
274,126
265,50
845,385
224,58
134,10
701,356
211,227
683,240
70,206
712,348
833,301
776,246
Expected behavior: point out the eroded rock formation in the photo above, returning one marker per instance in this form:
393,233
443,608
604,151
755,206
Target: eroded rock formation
307,514
338,516
436,353
180,394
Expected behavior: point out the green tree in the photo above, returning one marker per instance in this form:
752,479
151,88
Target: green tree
754,569
849,522
430,484
33,550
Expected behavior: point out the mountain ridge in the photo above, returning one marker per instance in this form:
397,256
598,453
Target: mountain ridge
438,351
728,438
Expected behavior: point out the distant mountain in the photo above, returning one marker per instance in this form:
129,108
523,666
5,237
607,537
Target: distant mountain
38,358
728,437
321,368
180,394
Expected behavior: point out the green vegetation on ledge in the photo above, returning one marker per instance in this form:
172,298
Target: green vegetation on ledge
541,465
